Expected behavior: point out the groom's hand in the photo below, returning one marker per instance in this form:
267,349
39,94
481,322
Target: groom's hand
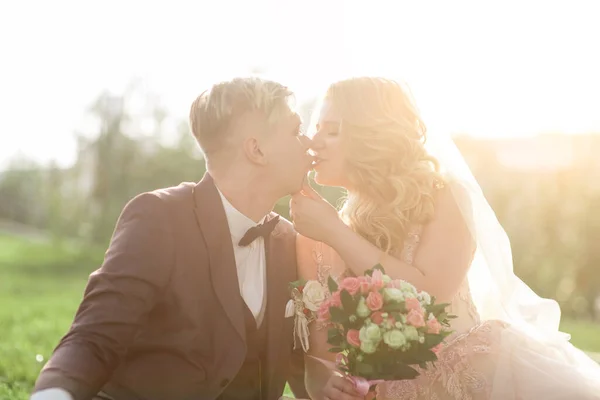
339,388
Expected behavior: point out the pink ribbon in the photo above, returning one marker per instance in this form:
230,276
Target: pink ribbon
362,386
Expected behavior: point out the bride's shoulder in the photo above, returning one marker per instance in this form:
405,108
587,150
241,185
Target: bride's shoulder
452,200
304,244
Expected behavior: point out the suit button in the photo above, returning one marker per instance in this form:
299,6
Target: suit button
224,382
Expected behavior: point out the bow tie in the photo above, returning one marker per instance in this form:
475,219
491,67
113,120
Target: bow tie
263,230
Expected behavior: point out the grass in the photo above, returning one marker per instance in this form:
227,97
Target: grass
41,285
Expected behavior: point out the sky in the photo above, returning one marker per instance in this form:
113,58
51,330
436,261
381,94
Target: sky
487,69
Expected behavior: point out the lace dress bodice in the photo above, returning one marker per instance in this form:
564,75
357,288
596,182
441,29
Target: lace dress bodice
328,264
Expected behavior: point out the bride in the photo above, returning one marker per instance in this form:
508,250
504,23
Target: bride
414,207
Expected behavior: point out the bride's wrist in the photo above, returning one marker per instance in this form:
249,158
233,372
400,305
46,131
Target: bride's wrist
338,234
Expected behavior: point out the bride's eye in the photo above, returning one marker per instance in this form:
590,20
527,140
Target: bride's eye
332,133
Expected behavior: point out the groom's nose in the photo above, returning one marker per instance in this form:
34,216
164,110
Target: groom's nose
316,143
305,141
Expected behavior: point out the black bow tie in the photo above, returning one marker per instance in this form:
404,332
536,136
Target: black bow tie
263,230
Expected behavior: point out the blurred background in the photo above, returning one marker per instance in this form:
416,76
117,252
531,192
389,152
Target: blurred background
94,98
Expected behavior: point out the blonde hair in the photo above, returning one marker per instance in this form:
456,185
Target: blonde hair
392,177
214,112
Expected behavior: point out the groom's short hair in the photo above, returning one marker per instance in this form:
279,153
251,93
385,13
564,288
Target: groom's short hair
214,111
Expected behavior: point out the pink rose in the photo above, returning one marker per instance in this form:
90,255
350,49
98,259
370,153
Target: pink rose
433,326
413,304
377,280
352,337
323,312
365,285
415,318
335,300
437,348
374,301
350,284
377,318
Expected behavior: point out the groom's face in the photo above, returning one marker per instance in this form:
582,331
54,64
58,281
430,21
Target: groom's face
286,150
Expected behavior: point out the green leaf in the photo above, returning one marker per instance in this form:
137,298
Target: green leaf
364,369
297,284
402,371
432,340
338,315
378,266
331,332
446,333
348,302
334,337
427,355
437,309
335,349
332,285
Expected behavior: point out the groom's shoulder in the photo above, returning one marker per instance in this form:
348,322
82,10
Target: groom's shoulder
175,194
167,197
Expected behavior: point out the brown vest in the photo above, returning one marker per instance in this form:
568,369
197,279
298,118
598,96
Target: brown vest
248,384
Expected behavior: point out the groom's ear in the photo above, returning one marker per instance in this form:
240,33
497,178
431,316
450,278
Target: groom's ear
253,151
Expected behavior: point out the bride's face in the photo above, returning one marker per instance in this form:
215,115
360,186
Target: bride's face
330,162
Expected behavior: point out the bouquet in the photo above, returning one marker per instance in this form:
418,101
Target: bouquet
382,328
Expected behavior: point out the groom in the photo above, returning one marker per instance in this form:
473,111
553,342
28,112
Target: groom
190,300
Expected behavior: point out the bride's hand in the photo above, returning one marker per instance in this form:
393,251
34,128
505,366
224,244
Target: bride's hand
313,216
339,388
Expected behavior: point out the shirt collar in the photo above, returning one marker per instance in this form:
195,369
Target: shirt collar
238,222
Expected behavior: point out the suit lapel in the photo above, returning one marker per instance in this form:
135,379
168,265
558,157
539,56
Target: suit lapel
212,220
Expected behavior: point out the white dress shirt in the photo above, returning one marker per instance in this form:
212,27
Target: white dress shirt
250,261
251,267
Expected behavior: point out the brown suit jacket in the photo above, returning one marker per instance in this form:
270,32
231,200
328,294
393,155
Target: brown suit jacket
163,317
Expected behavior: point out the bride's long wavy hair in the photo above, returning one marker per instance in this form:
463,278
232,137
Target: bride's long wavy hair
392,176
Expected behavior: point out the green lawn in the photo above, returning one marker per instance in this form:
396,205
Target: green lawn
40,287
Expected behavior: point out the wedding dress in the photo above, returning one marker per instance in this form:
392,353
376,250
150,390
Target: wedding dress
506,343
488,359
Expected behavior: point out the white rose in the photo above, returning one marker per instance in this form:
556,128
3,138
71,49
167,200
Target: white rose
408,290
368,347
407,287
393,294
424,298
410,332
362,310
313,295
395,339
